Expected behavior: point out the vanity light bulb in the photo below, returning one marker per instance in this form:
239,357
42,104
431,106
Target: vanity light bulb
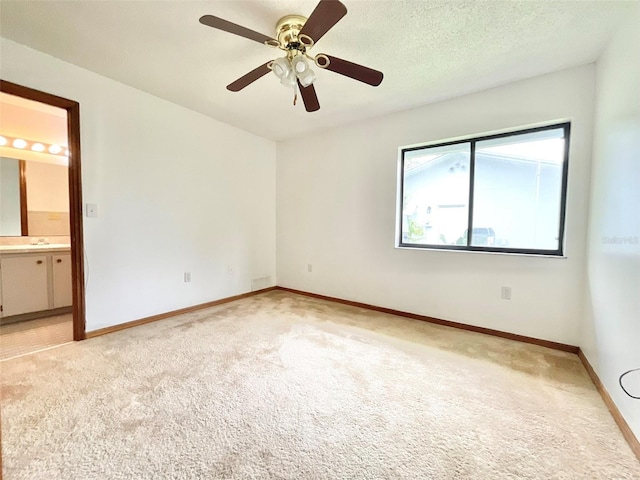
19,143
3,141
37,147
55,149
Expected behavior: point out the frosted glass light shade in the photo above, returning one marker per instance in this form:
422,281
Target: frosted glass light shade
281,67
303,70
300,64
307,78
289,80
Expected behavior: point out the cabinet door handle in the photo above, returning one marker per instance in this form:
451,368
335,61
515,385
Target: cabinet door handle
59,260
39,262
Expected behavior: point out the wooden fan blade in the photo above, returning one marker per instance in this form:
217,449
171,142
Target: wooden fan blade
355,71
249,78
326,14
309,97
226,26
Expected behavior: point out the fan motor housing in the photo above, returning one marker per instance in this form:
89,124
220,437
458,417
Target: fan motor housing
288,28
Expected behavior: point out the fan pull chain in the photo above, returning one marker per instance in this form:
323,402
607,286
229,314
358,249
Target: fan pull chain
295,96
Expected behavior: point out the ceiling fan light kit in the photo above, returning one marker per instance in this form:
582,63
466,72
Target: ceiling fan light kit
303,71
295,35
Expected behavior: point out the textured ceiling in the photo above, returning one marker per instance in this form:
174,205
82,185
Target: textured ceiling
428,50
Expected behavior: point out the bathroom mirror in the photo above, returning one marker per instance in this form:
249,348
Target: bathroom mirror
34,198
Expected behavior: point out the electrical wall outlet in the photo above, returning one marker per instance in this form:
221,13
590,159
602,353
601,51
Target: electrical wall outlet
187,277
506,293
309,268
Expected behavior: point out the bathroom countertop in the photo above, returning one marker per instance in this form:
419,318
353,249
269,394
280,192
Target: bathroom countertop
52,247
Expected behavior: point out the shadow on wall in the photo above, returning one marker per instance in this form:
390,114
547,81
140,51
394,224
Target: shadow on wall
611,330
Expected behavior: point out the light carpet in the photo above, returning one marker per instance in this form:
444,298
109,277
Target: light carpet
281,386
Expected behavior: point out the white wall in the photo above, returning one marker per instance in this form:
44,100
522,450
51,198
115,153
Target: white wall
176,191
336,210
611,333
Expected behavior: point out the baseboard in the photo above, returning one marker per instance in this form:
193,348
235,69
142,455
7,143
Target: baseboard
613,409
35,315
162,316
438,321
424,318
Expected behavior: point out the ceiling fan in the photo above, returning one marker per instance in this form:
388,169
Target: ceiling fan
296,35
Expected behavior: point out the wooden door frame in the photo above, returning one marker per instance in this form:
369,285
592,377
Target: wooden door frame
75,194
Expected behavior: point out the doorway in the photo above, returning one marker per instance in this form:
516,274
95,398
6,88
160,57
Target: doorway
63,263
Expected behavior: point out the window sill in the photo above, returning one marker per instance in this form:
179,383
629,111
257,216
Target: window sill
481,252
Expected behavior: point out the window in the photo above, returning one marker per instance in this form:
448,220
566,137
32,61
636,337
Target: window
498,193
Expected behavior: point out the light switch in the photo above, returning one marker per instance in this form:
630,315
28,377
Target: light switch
92,210
506,293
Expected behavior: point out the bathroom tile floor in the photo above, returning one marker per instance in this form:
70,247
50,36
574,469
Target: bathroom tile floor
33,335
